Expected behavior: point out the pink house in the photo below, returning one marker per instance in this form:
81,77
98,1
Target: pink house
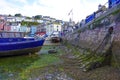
3,25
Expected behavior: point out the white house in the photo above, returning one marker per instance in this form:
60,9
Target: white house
15,19
11,19
57,27
49,29
15,27
52,28
24,29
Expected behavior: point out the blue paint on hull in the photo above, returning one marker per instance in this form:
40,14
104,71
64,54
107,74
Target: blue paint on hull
19,44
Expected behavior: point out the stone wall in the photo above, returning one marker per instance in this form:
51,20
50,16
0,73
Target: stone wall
116,45
94,41
89,39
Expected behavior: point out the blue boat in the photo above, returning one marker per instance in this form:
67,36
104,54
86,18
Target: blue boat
13,43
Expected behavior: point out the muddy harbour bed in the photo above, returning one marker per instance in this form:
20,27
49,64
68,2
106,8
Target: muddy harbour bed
46,65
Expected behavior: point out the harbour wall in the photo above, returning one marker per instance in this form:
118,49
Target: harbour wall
94,39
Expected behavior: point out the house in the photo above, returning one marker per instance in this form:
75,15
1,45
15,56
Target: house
3,25
15,19
57,27
24,29
11,19
19,19
41,30
49,29
15,26
33,30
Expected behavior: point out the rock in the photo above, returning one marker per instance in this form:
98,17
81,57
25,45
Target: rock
51,51
10,75
84,70
49,76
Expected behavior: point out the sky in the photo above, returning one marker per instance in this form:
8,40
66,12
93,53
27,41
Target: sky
58,9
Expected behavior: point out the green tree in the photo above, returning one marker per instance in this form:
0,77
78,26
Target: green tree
28,17
18,15
9,15
26,23
38,17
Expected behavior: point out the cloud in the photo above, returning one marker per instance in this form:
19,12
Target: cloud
85,8
7,8
21,1
55,8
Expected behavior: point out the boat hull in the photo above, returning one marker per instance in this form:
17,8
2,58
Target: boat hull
20,52
20,48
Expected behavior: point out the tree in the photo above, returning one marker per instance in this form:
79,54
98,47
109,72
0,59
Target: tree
28,17
38,17
26,23
9,15
18,15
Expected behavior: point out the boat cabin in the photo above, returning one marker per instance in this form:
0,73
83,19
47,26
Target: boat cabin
5,34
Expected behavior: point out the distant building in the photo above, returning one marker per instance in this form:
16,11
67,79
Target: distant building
15,19
57,27
33,30
41,30
49,29
3,25
24,29
15,27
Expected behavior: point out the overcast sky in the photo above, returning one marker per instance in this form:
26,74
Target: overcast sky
58,9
